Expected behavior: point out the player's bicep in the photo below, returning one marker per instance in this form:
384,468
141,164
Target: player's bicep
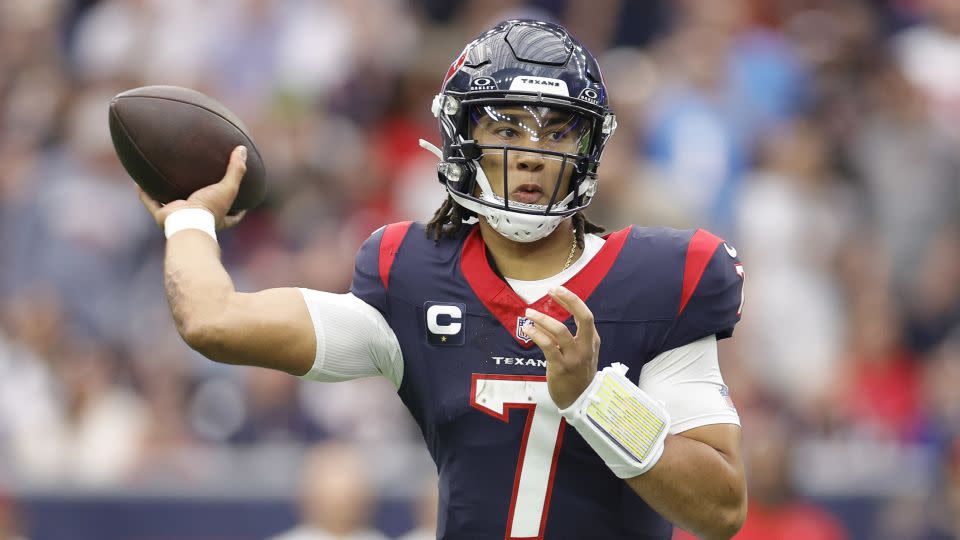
724,438
313,334
269,328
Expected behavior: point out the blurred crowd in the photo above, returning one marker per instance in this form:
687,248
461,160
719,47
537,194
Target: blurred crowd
820,137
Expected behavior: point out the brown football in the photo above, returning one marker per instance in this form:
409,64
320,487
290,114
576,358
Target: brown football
173,141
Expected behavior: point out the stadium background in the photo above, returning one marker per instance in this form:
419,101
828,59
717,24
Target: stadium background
821,137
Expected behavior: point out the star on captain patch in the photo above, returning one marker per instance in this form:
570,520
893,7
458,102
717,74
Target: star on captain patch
443,339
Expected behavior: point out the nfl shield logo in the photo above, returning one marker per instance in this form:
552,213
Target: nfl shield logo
520,335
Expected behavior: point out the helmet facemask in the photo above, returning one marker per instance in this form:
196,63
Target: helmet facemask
530,156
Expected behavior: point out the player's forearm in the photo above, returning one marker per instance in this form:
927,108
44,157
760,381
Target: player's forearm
197,285
695,487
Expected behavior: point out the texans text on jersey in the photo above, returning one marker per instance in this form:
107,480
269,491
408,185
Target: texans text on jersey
514,361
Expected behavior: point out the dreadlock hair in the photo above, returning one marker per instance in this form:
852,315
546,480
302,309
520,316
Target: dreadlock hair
448,220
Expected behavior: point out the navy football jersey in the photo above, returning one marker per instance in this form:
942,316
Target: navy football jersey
509,467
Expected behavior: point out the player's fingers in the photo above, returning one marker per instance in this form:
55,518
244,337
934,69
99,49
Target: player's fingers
230,221
581,313
148,201
558,331
152,206
236,168
543,340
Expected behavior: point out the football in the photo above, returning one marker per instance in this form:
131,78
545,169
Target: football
173,141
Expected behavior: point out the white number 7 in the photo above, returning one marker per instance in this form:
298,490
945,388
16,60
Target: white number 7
542,437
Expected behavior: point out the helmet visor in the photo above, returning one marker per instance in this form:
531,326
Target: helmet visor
531,127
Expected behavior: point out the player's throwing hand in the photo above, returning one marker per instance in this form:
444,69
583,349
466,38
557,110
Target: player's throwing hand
215,198
571,360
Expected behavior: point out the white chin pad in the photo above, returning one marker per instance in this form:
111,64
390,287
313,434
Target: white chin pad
523,227
512,225
498,200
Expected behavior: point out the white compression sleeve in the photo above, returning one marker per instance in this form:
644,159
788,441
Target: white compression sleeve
687,380
353,339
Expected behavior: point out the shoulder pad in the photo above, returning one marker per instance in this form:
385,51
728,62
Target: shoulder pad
371,274
711,294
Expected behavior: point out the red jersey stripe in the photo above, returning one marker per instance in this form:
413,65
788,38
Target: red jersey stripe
506,305
389,245
699,252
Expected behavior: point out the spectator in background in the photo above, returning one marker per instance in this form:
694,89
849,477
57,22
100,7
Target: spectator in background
80,426
336,497
425,513
30,327
929,55
941,400
837,43
102,431
9,520
948,524
273,412
909,169
60,242
933,300
724,84
794,220
132,39
880,385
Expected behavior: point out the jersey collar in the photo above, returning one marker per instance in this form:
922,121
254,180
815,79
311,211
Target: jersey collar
507,306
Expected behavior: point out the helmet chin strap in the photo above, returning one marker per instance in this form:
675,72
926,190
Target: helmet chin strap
432,148
515,226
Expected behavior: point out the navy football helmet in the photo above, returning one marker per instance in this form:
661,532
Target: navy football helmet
522,81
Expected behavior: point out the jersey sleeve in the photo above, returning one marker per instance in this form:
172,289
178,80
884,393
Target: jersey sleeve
374,263
711,293
366,284
353,339
689,383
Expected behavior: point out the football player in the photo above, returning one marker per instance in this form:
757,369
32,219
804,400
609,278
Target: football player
566,384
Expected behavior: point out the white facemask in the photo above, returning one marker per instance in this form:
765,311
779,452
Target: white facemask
516,226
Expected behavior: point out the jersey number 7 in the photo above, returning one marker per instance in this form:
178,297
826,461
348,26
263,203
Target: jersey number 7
496,395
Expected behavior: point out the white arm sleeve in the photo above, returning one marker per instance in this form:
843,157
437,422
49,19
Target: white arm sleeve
688,381
353,339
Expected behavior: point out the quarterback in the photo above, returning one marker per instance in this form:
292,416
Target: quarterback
566,383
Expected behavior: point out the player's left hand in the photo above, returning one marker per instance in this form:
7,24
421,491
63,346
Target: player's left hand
571,360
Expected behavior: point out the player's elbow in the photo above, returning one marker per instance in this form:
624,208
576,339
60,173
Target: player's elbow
733,520
728,521
206,335
723,520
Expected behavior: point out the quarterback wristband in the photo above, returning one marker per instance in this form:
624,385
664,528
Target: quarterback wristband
624,425
190,218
